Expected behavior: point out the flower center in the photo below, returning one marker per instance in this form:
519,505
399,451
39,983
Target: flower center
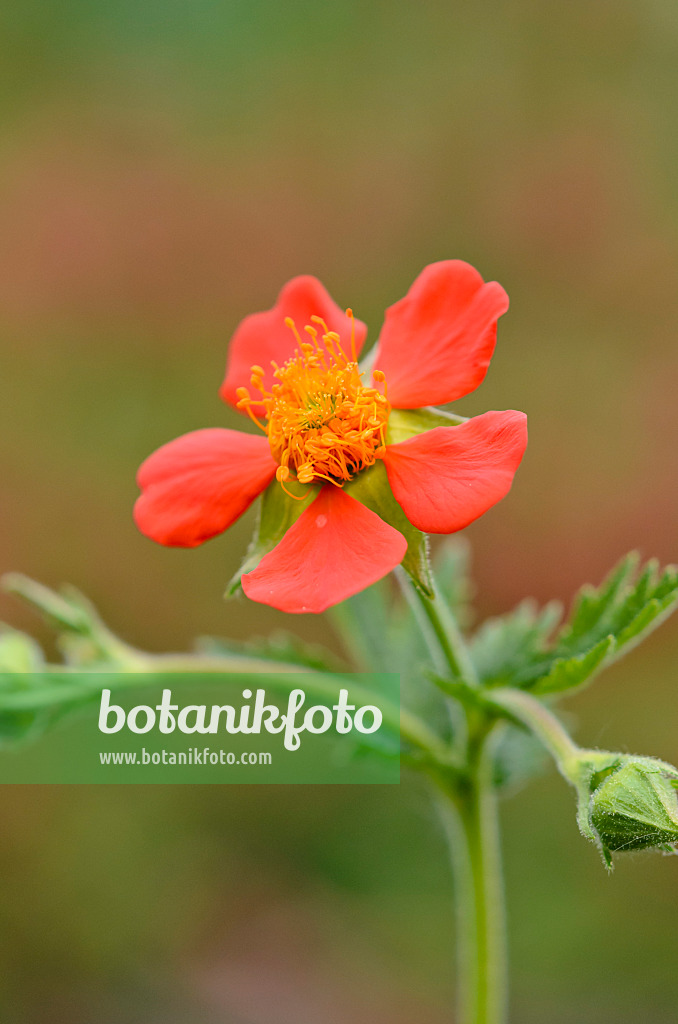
322,422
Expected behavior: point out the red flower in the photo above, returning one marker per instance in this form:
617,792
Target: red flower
351,476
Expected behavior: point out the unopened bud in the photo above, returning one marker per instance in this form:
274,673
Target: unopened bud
635,807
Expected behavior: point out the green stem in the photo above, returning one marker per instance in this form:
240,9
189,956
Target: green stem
448,650
536,718
469,810
469,814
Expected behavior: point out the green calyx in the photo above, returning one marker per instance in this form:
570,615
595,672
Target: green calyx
372,488
406,423
635,807
277,512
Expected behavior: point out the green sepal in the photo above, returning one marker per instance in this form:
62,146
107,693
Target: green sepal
371,487
636,807
626,802
406,423
277,512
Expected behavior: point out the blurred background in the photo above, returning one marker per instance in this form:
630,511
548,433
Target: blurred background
164,169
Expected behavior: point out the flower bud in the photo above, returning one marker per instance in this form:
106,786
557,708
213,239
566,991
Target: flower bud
635,807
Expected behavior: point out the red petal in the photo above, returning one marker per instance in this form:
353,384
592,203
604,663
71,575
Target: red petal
447,477
199,484
262,337
437,342
336,548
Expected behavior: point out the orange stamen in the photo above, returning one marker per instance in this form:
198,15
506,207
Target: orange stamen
322,422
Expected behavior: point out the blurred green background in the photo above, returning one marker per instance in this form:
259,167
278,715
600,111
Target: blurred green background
164,168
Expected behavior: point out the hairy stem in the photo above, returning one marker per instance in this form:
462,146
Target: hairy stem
440,629
536,717
469,814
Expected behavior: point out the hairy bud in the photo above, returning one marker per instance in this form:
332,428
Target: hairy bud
635,806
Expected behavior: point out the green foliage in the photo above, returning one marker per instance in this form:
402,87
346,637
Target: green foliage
280,646
385,630
569,673
34,699
83,638
382,630
517,757
451,563
503,646
521,649
34,695
380,635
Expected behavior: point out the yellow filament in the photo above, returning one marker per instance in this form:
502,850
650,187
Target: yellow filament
321,421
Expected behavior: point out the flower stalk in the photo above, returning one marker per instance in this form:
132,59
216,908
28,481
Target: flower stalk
467,804
469,815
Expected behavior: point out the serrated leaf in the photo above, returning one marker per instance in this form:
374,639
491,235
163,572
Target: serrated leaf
82,633
622,608
371,487
568,673
605,623
503,647
277,512
592,604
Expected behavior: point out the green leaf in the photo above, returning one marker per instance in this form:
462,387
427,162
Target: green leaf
567,673
372,488
605,622
592,604
608,621
277,512
83,637
381,634
62,610
406,423
280,647
518,757
504,647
